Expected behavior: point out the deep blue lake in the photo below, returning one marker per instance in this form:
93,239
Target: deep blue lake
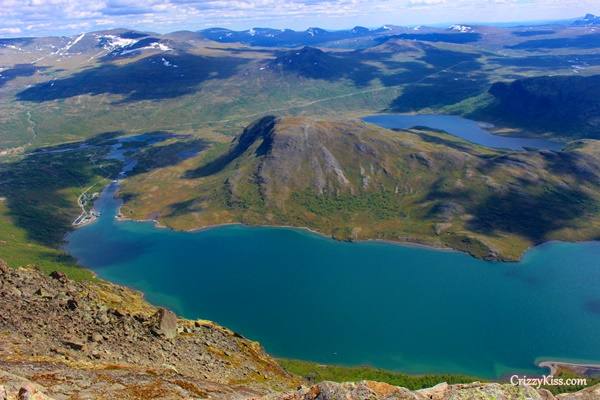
405,308
467,129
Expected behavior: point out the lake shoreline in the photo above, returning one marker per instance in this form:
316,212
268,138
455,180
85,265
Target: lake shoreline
403,243
583,368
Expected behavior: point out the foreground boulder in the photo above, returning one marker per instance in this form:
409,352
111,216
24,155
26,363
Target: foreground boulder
166,323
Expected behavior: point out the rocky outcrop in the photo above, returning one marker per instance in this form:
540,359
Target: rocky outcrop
381,391
61,339
166,323
94,340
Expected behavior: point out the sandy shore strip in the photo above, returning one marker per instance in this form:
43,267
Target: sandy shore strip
587,369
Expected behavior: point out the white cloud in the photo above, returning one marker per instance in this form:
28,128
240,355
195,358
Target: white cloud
37,17
10,31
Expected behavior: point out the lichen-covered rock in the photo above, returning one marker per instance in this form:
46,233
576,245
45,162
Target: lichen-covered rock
368,390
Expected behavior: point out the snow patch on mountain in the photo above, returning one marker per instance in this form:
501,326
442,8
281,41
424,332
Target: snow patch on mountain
73,43
113,42
168,63
460,28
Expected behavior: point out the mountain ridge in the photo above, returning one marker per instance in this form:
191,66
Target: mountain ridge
354,181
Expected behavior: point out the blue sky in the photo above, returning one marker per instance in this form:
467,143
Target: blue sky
44,17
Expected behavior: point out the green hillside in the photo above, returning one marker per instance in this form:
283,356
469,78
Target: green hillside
355,181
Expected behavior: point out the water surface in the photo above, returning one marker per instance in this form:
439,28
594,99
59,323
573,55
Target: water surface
404,308
467,129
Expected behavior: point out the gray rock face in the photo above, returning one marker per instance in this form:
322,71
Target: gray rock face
167,323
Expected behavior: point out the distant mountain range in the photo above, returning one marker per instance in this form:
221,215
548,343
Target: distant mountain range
392,68
587,20
125,42
112,43
287,37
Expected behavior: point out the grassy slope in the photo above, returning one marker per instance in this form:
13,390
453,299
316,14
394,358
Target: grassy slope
314,372
39,202
18,251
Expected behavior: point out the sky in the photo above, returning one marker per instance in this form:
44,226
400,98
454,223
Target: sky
70,17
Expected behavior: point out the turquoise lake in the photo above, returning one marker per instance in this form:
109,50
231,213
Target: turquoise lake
406,308
411,309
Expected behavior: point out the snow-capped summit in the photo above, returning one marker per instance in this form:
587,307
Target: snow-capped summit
114,42
120,45
460,28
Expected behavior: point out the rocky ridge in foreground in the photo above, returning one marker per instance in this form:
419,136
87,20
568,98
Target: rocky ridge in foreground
61,339
95,340
475,391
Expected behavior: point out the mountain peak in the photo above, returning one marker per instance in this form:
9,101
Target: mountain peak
587,20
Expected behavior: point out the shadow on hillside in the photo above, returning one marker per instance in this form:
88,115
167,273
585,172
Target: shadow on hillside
533,33
422,132
39,189
151,78
241,50
155,157
440,90
458,38
183,207
590,41
314,63
24,41
17,71
574,165
551,62
530,215
441,77
259,129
